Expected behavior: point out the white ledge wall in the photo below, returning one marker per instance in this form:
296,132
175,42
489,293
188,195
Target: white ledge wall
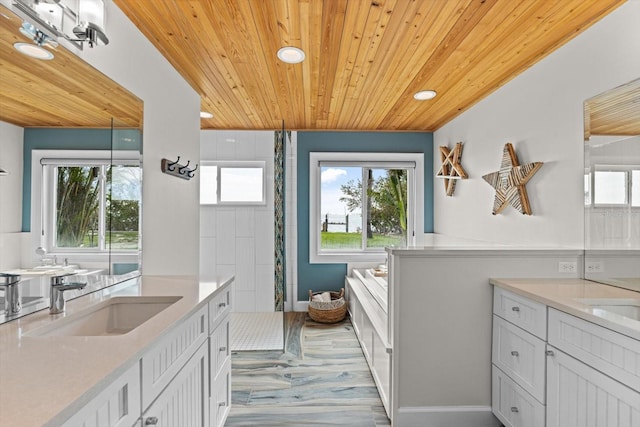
541,113
441,311
170,214
11,191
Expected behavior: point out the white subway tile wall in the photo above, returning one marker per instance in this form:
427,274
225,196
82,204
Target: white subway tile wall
239,240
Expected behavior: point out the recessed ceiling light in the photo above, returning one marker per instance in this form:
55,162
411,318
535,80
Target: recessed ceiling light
205,115
33,50
423,95
291,55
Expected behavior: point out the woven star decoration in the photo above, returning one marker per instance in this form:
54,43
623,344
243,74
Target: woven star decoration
451,169
510,181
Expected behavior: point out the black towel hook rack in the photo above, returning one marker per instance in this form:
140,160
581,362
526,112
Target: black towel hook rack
176,169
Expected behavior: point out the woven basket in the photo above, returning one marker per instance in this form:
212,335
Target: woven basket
328,315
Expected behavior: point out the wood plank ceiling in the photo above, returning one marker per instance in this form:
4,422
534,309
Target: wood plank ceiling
614,112
62,92
364,58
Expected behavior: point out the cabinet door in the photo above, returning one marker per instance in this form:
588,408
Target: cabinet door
580,396
169,354
118,405
184,402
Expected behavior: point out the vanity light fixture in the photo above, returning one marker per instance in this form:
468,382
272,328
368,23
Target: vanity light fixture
91,23
291,55
205,115
424,95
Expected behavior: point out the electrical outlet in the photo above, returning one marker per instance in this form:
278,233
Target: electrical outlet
567,267
594,267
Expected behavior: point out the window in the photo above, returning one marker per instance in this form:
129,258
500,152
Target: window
617,185
90,205
362,203
232,183
610,187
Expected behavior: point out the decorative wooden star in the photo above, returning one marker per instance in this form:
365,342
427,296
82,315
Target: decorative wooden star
510,181
451,169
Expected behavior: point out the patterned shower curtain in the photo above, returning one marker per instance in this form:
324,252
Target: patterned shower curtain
280,145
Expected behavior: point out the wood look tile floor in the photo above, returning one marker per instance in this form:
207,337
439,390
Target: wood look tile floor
322,379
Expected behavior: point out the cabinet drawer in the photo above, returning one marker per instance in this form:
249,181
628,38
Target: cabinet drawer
513,406
116,406
220,351
220,402
520,355
168,356
529,315
219,306
610,352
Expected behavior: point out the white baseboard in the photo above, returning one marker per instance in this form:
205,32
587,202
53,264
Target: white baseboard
446,416
301,306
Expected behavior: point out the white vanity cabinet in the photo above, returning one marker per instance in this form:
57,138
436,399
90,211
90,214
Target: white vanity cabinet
220,358
185,400
161,363
581,396
593,374
184,379
118,405
518,360
553,369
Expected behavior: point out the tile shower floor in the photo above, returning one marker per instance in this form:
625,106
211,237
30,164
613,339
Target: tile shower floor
322,379
257,331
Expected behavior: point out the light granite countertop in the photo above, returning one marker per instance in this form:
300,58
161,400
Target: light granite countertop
566,295
45,380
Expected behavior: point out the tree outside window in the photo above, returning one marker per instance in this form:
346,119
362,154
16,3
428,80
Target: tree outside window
380,209
97,207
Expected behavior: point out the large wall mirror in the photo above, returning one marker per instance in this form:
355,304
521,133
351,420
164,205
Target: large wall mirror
70,169
612,187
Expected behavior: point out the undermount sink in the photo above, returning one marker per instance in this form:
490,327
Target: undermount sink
629,308
115,316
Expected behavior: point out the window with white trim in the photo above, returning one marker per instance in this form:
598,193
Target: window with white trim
90,204
361,203
614,186
232,183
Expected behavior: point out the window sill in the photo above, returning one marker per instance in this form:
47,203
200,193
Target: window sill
347,257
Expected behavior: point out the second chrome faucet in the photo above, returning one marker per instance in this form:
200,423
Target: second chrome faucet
59,285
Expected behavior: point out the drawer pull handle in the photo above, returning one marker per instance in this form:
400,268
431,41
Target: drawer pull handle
151,421
223,348
222,404
516,309
515,353
550,353
514,409
222,304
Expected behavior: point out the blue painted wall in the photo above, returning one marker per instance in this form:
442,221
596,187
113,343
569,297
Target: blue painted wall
69,139
321,277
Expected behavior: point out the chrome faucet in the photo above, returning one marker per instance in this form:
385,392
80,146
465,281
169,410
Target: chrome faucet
12,300
56,295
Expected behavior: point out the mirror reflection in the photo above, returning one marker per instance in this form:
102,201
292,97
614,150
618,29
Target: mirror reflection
612,187
70,179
